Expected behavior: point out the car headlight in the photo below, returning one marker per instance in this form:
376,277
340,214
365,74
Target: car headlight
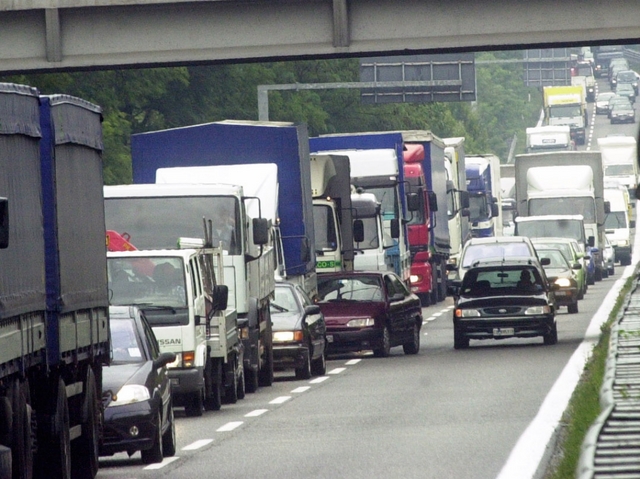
360,323
533,310
467,313
286,336
563,282
130,394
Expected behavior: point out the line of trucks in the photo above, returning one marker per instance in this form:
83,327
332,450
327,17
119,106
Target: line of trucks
228,208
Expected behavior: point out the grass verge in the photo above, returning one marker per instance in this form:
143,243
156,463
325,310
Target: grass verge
584,406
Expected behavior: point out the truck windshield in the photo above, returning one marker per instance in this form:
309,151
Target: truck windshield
156,283
615,220
552,228
325,228
618,170
158,222
478,208
388,203
583,205
371,238
565,111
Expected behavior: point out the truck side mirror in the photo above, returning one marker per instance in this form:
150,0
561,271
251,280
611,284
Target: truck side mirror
464,199
591,241
607,207
495,210
220,297
395,228
433,201
4,223
632,223
465,212
413,202
260,231
358,231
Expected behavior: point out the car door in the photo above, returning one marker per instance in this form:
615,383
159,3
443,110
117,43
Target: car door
411,306
396,312
315,325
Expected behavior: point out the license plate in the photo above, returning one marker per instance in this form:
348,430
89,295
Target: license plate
329,338
503,331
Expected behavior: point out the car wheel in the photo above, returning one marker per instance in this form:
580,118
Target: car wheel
612,271
194,405
384,350
573,308
552,336
460,341
251,380
413,346
241,385
591,280
153,455
581,293
169,437
598,274
319,365
605,273
424,299
304,371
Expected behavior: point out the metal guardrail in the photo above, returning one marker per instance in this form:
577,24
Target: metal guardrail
611,448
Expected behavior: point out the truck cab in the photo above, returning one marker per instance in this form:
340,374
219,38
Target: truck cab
485,194
187,311
371,241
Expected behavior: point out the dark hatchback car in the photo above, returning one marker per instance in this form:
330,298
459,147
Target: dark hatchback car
136,390
560,272
504,299
369,310
298,332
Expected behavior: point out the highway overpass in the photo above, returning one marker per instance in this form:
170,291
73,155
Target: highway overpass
48,35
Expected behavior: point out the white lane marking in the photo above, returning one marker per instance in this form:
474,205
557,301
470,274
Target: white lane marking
301,389
230,426
438,314
319,380
336,371
449,308
165,461
530,449
430,318
280,400
352,362
256,413
197,445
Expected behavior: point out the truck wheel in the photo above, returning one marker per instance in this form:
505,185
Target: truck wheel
265,377
84,452
213,385
21,435
231,389
153,455
194,405
433,294
54,459
251,380
242,388
425,300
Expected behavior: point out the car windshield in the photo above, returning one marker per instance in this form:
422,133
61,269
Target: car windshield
564,248
284,301
475,252
502,281
556,259
356,288
125,344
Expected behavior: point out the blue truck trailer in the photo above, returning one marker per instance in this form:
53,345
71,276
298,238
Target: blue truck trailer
485,195
54,331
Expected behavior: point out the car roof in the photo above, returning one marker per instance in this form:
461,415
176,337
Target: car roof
513,261
498,239
354,274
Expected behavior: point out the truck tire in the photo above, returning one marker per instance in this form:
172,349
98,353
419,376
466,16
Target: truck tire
251,382
22,444
231,386
213,385
265,377
433,294
242,389
194,404
5,461
84,450
442,281
54,454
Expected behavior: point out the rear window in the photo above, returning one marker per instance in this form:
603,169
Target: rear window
502,281
499,251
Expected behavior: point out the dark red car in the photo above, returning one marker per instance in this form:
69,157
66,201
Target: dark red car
369,311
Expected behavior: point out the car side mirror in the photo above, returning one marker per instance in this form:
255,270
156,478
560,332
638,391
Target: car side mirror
576,266
453,288
545,261
311,309
163,359
396,297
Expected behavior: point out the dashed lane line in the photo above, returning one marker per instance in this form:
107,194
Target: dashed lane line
256,413
197,445
319,380
165,461
301,389
230,426
352,362
336,371
280,400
